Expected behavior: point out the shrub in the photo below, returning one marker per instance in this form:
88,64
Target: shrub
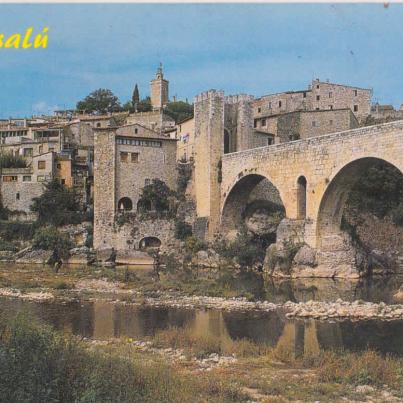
4,212
9,160
194,244
184,175
49,238
156,195
14,230
7,246
182,230
57,205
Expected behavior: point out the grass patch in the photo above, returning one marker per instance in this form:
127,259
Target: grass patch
204,345
40,365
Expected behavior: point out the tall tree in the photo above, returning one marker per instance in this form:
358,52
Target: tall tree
135,97
99,101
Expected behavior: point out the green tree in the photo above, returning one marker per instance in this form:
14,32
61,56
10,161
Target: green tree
156,196
135,97
49,238
179,110
99,101
57,205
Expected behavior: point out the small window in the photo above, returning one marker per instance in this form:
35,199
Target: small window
40,149
58,166
124,156
63,181
259,110
263,122
10,178
41,164
317,86
17,196
255,123
304,95
135,157
317,108
147,182
40,178
355,93
313,124
355,108
330,107
317,97
330,94
269,105
270,141
26,178
279,104
136,130
98,124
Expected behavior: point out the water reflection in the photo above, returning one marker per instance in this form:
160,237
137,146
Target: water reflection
101,320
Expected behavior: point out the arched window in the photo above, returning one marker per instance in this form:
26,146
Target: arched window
125,204
149,242
301,198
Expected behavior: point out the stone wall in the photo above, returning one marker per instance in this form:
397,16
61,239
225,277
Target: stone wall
104,187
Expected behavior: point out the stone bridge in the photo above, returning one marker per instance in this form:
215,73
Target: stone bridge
313,176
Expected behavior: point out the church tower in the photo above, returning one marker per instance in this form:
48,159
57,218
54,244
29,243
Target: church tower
159,90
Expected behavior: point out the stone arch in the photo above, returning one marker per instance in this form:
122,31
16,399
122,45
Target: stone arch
301,198
336,194
149,242
125,204
252,192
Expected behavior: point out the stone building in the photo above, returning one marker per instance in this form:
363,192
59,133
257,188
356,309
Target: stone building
185,133
125,160
20,185
319,96
155,120
159,90
386,112
305,124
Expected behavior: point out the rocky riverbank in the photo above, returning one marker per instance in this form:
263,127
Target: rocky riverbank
100,290
342,310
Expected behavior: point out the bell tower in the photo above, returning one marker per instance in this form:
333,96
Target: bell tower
159,90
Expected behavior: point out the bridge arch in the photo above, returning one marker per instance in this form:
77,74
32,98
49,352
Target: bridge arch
336,194
252,194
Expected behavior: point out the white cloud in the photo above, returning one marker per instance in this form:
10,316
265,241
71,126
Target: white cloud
42,108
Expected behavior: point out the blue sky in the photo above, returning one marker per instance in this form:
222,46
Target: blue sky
240,48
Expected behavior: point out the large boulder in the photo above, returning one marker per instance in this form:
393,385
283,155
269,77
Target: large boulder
306,256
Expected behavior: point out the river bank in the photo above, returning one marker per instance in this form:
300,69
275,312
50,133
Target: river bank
209,291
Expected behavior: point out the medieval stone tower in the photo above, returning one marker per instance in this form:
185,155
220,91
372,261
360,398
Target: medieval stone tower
159,90
222,125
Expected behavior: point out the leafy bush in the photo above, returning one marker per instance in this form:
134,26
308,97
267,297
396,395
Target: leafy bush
49,238
379,191
9,160
4,212
156,196
57,205
194,244
247,249
8,246
182,230
184,175
14,230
